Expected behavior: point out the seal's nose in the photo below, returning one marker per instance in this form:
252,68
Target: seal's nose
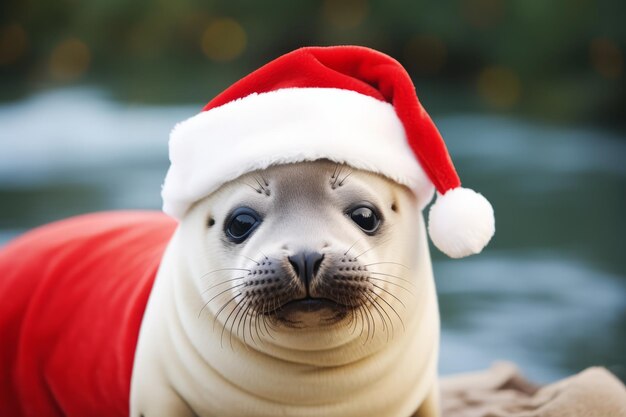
306,265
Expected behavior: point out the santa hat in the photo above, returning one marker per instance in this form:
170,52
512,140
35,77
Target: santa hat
347,104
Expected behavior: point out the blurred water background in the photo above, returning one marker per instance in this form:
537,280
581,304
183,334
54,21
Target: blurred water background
530,97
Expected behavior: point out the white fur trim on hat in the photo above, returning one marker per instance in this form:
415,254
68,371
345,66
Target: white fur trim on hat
461,222
287,126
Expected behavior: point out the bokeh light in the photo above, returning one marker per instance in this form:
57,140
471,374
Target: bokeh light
482,14
224,39
499,86
345,14
426,54
606,58
13,43
69,59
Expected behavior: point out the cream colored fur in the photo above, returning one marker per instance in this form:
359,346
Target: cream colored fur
185,366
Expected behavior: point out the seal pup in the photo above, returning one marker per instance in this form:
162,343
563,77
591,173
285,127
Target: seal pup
301,290
77,290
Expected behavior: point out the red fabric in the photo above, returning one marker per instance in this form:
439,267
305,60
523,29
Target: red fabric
365,71
73,294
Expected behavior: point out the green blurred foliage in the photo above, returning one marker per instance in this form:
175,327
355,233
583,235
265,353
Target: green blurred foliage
561,60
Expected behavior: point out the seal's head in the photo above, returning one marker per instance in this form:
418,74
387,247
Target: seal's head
308,245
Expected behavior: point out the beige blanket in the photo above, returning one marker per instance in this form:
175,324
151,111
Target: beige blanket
501,391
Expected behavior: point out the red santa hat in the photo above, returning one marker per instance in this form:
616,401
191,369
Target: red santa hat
347,104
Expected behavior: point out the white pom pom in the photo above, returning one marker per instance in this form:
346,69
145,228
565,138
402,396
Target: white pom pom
461,222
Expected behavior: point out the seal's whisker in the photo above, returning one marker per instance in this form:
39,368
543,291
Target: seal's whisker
254,312
250,316
223,291
267,319
344,299
371,316
350,323
355,319
346,302
264,323
266,191
372,247
257,327
267,258
217,295
269,326
391,307
357,315
239,307
227,319
382,318
370,307
223,269
380,307
251,259
223,307
362,322
391,283
336,178
221,283
272,320
244,309
351,246
345,178
254,188
392,263
243,317
261,316
335,172
366,320
392,276
388,292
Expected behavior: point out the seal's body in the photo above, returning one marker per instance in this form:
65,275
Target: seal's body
231,329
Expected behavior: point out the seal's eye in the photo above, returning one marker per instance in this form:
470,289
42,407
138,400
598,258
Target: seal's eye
241,223
365,216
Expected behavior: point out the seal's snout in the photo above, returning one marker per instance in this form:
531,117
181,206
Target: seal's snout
306,265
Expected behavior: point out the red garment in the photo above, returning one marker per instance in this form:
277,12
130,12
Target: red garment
72,297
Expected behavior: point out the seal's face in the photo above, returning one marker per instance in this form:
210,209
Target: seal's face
309,245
